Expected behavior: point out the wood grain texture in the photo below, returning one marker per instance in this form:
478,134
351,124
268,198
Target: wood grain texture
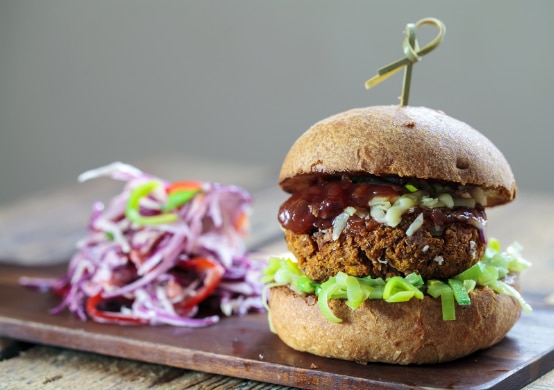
45,368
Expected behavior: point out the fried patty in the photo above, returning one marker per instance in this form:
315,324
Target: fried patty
368,248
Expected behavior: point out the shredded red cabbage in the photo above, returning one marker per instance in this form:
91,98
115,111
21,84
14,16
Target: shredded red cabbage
128,272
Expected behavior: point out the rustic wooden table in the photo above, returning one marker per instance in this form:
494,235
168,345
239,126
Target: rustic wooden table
41,230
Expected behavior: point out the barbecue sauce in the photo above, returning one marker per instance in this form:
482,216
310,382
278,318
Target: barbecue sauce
317,206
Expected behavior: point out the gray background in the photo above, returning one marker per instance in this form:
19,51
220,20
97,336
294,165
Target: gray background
84,83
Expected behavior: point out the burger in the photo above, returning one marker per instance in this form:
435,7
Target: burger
389,260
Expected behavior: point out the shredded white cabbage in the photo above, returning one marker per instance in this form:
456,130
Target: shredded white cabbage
415,225
339,223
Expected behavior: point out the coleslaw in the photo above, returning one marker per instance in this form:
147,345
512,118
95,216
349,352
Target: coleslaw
161,253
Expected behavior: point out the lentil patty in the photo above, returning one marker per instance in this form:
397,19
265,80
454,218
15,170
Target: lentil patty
366,247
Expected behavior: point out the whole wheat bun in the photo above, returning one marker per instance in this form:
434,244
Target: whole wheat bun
404,141
399,333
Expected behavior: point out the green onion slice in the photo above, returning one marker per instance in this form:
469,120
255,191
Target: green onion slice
493,267
459,291
448,307
132,211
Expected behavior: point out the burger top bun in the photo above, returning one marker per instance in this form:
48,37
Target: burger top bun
404,141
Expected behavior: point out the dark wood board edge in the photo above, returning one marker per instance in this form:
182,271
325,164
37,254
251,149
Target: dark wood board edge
186,359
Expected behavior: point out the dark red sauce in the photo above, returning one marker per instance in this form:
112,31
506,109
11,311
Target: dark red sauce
475,216
316,207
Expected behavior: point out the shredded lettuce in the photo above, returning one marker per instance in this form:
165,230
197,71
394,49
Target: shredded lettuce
490,271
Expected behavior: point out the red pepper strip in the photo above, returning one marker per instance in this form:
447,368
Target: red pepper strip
107,316
212,273
184,186
181,192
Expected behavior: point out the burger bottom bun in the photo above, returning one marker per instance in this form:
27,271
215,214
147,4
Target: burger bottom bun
399,333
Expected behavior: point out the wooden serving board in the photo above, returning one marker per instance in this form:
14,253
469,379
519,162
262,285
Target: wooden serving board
245,348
